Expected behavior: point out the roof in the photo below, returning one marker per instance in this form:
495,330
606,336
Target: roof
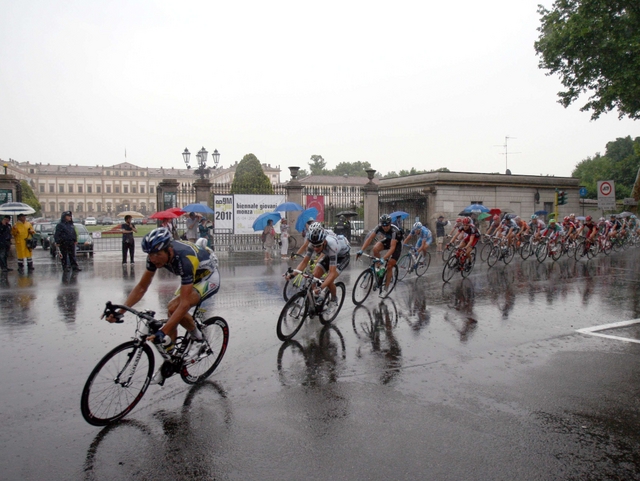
336,180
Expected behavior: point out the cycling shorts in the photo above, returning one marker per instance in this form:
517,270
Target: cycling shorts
207,286
386,245
341,264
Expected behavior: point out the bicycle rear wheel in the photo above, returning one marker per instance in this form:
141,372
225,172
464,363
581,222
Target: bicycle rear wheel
362,287
215,331
468,264
292,316
392,283
485,250
404,266
328,315
509,254
117,383
423,264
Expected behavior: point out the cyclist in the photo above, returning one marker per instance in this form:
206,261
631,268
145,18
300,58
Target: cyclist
424,236
536,225
305,232
392,243
552,231
589,229
471,237
198,270
336,250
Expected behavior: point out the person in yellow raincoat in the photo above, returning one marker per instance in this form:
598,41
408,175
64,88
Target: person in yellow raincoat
21,231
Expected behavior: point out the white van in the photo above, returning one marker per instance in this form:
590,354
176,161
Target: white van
90,221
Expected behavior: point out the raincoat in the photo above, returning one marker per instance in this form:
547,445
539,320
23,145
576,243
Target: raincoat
21,231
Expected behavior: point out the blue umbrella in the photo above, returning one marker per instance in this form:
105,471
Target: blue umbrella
288,206
476,208
199,208
403,215
261,221
541,212
310,213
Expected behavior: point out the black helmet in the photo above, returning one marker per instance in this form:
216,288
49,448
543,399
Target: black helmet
385,219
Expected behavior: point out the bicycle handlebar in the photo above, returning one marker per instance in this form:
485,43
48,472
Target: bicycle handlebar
110,309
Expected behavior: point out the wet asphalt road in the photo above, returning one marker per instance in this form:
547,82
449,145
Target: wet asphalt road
481,379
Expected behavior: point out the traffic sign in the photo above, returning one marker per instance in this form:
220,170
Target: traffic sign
606,195
583,191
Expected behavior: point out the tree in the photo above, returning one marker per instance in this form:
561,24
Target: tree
317,165
594,46
355,169
28,197
413,171
249,177
620,164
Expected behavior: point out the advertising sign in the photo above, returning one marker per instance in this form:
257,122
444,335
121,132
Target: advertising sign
247,207
317,201
606,195
223,217
6,195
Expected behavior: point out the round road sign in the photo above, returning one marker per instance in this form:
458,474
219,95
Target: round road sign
605,188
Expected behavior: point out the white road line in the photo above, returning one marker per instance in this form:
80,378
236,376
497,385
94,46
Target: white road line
594,331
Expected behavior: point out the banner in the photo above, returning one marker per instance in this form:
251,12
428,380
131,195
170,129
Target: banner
223,217
317,201
247,207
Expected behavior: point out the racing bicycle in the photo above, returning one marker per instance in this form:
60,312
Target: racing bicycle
118,382
459,262
373,278
412,261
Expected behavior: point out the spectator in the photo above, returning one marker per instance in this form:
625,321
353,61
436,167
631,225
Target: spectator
398,222
22,231
128,242
441,223
203,230
269,235
192,227
66,239
284,238
5,243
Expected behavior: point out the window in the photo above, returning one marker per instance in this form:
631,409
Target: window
42,188
108,172
134,190
125,189
117,173
79,189
90,206
52,188
61,189
125,173
117,191
152,206
79,208
151,189
61,206
108,189
88,189
99,206
98,189
70,189
71,205
142,189
477,202
52,206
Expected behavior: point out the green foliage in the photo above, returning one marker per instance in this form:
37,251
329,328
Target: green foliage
413,171
302,173
620,164
317,165
28,197
249,177
354,169
594,47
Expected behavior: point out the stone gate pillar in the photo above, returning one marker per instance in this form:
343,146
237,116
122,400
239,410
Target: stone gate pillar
370,203
203,191
294,194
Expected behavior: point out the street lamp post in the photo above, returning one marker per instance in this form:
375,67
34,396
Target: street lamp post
202,169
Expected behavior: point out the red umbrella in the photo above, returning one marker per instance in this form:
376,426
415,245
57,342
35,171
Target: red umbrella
176,210
495,212
164,214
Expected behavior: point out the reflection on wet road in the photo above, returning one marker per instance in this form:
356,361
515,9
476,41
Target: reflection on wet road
481,378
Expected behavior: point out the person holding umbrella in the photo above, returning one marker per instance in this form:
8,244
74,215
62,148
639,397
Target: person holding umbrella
269,236
22,231
5,242
284,238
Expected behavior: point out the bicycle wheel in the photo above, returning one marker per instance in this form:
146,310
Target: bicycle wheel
293,245
423,264
328,315
593,251
292,316
404,266
392,283
117,383
494,255
509,254
468,264
485,251
450,268
291,286
606,247
557,251
541,252
216,333
362,287
446,253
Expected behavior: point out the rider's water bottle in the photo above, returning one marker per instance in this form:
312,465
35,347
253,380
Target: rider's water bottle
381,272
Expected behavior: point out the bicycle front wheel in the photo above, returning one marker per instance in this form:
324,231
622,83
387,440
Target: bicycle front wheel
450,268
404,266
292,316
423,264
291,286
327,315
215,331
362,287
117,383
392,283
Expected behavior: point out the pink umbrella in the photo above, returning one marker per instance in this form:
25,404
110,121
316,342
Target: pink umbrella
164,214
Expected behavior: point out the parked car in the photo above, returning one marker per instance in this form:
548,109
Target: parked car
43,230
107,221
84,245
90,221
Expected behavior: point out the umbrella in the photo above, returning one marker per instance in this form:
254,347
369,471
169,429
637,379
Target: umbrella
625,214
580,217
484,215
132,213
465,213
541,212
476,208
310,213
15,208
199,208
347,213
288,206
495,211
261,221
164,214
175,210
403,215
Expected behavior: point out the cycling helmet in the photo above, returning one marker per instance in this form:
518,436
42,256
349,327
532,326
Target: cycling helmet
534,217
552,221
588,218
613,216
316,233
566,219
633,216
601,219
417,225
572,215
517,218
156,240
385,219
466,221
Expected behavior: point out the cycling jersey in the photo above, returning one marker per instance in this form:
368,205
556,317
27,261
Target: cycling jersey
188,262
536,225
423,234
335,248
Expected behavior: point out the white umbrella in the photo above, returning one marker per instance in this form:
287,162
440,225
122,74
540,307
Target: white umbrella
15,208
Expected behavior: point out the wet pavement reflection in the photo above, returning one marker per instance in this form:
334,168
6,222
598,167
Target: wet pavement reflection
480,378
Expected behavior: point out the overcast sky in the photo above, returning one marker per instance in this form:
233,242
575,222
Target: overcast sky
397,84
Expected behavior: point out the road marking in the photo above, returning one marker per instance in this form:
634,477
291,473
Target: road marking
594,331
